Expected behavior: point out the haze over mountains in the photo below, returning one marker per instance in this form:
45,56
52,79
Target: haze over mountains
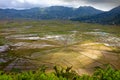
84,14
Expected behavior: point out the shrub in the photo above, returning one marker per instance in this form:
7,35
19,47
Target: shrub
62,74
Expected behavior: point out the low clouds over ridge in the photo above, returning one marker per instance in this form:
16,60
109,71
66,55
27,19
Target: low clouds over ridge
22,4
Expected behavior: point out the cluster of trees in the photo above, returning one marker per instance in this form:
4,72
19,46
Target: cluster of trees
61,74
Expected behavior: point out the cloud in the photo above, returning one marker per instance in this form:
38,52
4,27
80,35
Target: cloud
21,4
14,4
29,3
100,4
103,1
117,2
105,4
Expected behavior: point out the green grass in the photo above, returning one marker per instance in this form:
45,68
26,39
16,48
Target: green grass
58,27
3,41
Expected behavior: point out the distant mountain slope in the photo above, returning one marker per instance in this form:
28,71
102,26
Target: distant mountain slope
87,10
53,12
110,17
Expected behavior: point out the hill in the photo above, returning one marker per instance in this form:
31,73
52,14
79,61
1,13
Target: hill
110,17
53,12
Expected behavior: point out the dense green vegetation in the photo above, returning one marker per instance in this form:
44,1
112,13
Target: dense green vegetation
61,74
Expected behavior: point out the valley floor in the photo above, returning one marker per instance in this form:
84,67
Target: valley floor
27,45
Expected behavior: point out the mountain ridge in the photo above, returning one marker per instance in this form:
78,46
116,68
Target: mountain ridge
83,14
109,17
53,12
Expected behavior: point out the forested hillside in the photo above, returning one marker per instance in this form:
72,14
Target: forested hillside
110,17
53,12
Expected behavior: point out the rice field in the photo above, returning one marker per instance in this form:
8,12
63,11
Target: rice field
27,45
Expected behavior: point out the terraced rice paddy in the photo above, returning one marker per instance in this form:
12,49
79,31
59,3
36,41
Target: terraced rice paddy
31,44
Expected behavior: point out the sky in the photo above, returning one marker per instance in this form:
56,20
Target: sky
25,4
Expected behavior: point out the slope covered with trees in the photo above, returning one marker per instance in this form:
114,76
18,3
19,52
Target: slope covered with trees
110,17
53,12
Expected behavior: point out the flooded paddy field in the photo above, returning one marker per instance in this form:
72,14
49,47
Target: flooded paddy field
27,45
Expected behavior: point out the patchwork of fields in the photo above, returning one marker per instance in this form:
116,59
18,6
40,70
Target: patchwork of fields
27,45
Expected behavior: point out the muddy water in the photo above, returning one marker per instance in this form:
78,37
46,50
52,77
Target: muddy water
4,48
69,39
26,45
107,38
